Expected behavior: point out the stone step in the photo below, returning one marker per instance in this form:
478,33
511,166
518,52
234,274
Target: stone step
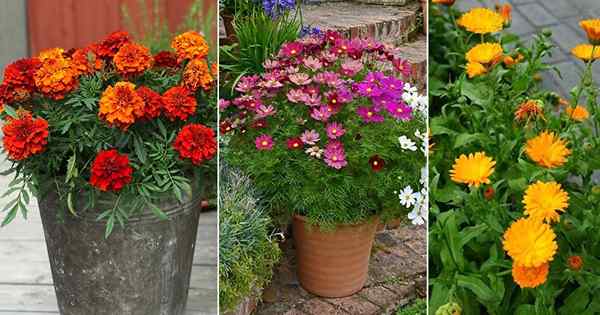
416,53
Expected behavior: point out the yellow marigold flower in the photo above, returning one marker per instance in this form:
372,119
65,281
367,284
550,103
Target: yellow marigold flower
56,77
530,277
190,45
444,2
579,113
474,169
485,53
543,201
530,242
584,52
481,21
530,109
547,150
120,105
197,74
475,69
132,58
592,29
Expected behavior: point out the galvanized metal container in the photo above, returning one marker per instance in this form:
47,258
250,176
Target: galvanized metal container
143,269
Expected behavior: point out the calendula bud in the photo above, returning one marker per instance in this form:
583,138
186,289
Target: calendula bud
449,309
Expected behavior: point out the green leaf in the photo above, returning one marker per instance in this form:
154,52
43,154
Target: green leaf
465,138
10,111
110,224
71,170
140,152
70,203
10,216
157,211
478,287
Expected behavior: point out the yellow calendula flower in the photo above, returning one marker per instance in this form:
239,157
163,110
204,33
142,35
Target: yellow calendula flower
473,170
585,51
475,69
530,277
505,11
592,29
485,53
530,242
530,109
579,113
547,150
543,201
481,21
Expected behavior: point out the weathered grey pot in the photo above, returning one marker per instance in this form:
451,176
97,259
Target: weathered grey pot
143,269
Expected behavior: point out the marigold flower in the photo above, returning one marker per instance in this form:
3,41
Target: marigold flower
592,29
178,103
444,2
575,262
475,69
190,45
109,46
481,21
120,105
585,51
110,171
85,61
530,242
196,142
579,113
20,73
132,59
485,53
152,102
24,136
56,77
547,150
165,59
543,201
529,109
197,74
530,277
474,169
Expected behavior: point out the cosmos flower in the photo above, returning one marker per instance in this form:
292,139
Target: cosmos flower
335,156
300,78
310,137
407,144
399,111
264,142
294,144
335,130
321,113
369,115
377,163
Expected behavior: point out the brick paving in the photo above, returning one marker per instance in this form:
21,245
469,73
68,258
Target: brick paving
397,272
562,18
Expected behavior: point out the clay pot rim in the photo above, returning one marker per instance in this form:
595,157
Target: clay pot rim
373,218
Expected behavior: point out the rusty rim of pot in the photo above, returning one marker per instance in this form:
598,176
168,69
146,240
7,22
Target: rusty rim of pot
374,218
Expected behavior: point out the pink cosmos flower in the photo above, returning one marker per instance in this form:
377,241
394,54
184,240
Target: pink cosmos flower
291,49
344,95
328,77
402,66
356,48
291,70
310,137
332,36
264,111
335,156
372,45
351,67
329,57
246,83
368,89
296,95
312,63
300,78
399,111
264,142
335,130
270,64
321,114
223,104
369,115
271,81
311,99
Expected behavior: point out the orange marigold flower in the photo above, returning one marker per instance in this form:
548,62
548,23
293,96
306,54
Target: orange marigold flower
190,45
575,262
25,136
547,150
444,2
152,102
165,59
481,21
56,77
475,69
505,11
584,52
196,74
530,109
592,29
178,103
196,142
120,105
20,73
109,46
579,113
85,61
214,69
110,171
530,277
132,59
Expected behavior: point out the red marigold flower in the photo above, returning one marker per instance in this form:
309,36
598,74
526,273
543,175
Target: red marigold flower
575,262
376,163
25,136
110,170
109,46
196,142
132,59
20,73
294,144
152,102
165,59
178,103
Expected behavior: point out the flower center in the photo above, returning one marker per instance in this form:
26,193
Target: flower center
369,114
264,143
375,163
334,131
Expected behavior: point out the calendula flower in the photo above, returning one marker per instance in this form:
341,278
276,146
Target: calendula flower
132,59
543,201
196,75
190,45
110,171
178,103
481,21
585,51
530,109
575,262
530,277
473,170
530,242
120,105
196,142
505,11
592,29
547,150
444,2
579,113
24,136
475,69
485,53
55,77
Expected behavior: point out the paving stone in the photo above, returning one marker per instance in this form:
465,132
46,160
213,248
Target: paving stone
379,295
560,8
570,72
356,305
538,16
520,25
294,311
566,37
316,306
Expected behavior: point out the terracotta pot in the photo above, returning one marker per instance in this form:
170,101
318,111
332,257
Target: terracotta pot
333,263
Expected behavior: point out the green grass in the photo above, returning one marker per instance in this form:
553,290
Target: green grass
417,307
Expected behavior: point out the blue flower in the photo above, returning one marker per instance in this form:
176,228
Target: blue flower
308,30
275,7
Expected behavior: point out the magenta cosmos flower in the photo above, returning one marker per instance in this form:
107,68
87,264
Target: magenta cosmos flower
335,130
352,67
292,49
334,155
264,111
247,83
399,111
264,142
369,115
296,95
402,66
369,89
310,137
321,114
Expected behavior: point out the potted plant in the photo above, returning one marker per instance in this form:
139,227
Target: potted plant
326,135
113,143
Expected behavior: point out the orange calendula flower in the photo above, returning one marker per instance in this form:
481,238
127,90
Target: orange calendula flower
481,21
592,29
120,105
485,53
197,74
530,242
579,113
178,103
132,59
24,136
505,11
547,150
473,170
444,2
586,52
55,77
575,262
475,69
530,277
543,201
190,45
530,109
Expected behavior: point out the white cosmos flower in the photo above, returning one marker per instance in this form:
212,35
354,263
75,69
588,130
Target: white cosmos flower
315,152
407,144
408,197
